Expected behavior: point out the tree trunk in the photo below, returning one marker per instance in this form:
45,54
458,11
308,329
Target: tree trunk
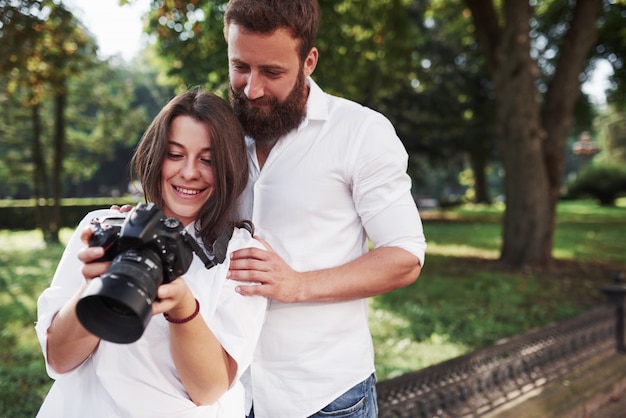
563,92
478,161
532,143
40,189
60,100
526,226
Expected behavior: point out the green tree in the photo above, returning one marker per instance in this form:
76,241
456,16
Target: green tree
384,38
445,107
107,124
104,126
14,129
49,62
521,88
44,47
533,115
611,47
190,47
612,130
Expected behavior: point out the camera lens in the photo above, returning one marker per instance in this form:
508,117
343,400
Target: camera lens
117,306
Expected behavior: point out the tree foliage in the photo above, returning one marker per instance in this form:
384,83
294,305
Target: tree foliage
455,77
534,108
384,56
611,46
444,109
44,47
464,82
64,121
190,46
612,131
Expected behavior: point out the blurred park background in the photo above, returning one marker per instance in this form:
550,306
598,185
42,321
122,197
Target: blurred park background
519,172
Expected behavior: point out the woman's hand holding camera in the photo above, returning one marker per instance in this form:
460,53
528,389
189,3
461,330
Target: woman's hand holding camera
88,254
175,298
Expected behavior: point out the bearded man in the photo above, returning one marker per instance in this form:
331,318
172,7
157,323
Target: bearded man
327,175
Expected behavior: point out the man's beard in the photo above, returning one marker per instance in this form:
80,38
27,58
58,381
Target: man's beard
275,119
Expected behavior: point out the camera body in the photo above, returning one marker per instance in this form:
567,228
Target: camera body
145,228
146,249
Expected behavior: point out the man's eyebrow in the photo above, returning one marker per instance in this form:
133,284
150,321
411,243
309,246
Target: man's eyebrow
274,67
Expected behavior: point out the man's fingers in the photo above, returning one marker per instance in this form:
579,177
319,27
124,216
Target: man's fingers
248,253
251,290
262,241
246,275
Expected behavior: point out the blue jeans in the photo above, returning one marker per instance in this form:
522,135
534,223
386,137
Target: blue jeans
358,402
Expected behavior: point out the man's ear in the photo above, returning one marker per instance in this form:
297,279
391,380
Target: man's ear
310,62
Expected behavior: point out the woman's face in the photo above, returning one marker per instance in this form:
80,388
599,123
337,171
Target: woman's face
187,175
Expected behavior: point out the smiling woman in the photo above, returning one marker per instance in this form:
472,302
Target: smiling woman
118,29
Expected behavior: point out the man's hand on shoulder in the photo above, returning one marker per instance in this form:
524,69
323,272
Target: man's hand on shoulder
271,275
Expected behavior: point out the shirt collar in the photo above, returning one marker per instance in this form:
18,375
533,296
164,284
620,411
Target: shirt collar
316,105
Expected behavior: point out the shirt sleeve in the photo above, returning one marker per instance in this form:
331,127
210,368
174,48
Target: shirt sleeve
65,283
382,190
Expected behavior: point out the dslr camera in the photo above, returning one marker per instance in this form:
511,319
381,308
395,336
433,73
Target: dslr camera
146,249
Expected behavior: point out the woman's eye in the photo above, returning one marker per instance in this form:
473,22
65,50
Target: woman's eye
206,161
174,156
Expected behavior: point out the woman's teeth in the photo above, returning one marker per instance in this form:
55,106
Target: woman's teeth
187,191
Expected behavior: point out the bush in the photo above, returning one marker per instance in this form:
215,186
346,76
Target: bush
21,214
604,182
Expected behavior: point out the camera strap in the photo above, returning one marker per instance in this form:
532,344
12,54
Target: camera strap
220,246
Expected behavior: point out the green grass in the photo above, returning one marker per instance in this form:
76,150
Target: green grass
463,300
26,268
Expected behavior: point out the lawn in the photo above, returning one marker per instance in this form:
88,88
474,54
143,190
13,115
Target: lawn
463,300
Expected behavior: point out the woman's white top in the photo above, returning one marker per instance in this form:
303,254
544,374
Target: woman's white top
140,379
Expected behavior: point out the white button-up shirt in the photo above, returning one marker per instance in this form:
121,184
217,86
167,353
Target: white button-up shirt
327,187
140,379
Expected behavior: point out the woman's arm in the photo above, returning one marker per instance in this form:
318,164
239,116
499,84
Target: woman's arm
68,342
205,368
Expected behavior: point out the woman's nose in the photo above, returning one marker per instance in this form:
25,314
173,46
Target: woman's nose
190,170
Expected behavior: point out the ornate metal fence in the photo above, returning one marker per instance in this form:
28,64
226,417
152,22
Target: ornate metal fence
476,383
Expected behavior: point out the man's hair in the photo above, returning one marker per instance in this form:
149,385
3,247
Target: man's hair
300,17
229,157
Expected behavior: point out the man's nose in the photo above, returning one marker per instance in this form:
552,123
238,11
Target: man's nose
254,87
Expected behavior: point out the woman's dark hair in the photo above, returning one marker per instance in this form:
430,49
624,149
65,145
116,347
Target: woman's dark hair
228,156
300,17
